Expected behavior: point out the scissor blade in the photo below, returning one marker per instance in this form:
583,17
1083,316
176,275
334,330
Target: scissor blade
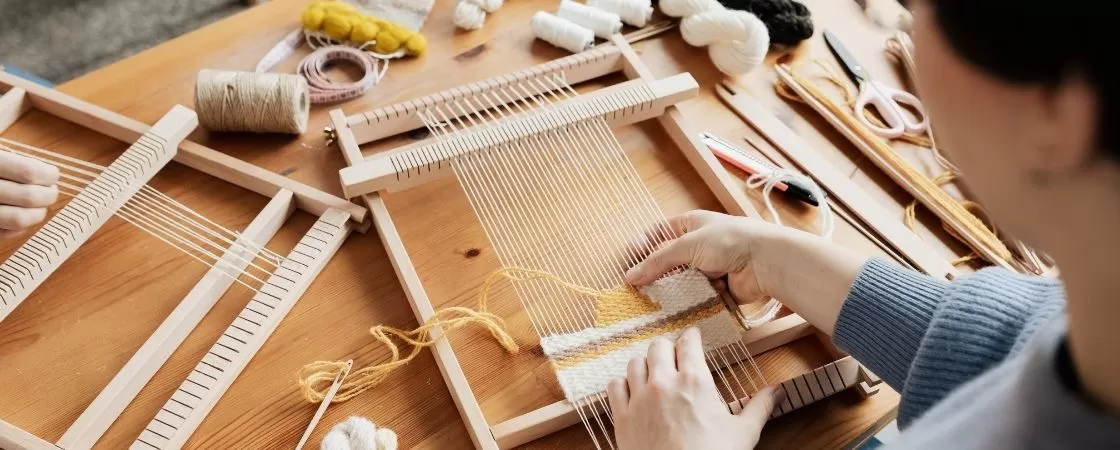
851,66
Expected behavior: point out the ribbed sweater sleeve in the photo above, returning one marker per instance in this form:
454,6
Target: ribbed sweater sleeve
925,337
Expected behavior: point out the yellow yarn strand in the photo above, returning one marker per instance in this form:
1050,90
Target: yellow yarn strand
611,305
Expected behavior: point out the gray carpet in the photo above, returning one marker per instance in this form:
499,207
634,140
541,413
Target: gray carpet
62,39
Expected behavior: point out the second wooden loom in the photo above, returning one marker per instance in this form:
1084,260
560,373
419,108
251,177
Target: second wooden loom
424,161
151,149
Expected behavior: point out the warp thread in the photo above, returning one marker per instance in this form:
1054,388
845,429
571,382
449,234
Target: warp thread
562,33
603,23
634,12
316,378
471,14
256,102
788,21
359,433
325,90
737,41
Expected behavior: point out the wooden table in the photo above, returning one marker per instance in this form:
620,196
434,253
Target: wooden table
64,344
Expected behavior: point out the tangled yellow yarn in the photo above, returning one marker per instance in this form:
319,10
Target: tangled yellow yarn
343,22
611,305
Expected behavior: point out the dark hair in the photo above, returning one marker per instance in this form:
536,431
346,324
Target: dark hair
1040,43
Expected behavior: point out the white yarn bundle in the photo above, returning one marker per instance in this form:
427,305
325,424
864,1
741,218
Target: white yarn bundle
737,41
634,12
603,23
562,33
471,14
358,433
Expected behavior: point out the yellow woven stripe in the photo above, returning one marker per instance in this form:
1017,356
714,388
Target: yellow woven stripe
595,350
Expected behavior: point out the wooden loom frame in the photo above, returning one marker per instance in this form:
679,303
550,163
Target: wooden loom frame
365,177
19,96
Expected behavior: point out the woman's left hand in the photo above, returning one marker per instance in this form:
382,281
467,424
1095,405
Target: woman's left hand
669,400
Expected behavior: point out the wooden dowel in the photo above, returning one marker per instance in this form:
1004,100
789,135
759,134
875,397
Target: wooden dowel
970,229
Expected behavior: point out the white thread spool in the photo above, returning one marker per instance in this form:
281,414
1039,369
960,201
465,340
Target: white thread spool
737,41
358,433
562,33
471,14
603,23
247,101
633,12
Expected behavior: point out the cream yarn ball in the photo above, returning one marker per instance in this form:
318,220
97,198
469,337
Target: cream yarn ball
471,14
358,433
737,41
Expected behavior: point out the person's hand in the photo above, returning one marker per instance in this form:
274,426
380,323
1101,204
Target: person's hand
720,246
669,400
27,188
759,260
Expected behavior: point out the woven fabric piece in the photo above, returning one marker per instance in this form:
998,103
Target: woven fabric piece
409,13
585,361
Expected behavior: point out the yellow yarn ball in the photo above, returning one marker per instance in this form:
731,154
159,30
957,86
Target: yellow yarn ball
416,45
337,26
312,17
337,7
363,31
401,33
386,43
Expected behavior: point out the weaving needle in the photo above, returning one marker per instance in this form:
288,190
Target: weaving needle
324,404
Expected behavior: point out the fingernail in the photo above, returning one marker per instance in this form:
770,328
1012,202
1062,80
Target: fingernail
633,274
779,394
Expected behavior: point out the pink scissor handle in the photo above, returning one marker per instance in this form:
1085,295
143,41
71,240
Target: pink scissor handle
888,102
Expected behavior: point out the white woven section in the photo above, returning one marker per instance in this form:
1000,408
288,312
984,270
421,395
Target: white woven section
674,294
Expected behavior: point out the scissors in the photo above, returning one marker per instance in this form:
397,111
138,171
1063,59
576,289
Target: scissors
891,103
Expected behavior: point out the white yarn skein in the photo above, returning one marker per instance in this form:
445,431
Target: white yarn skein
471,14
737,41
603,23
358,433
562,33
633,12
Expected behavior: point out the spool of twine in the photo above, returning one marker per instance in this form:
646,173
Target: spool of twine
255,102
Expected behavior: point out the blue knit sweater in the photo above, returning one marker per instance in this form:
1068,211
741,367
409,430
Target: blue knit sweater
979,361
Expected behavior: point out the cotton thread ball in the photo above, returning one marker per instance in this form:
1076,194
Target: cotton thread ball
737,41
471,14
358,433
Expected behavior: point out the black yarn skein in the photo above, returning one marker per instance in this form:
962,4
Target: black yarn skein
789,22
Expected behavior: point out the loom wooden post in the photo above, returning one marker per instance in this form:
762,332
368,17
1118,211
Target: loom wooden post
453,375
123,388
13,105
727,190
196,156
14,438
559,415
838,185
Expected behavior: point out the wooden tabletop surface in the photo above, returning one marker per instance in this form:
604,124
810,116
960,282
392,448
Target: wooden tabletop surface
64,344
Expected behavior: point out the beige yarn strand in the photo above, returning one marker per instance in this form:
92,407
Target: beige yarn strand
255,102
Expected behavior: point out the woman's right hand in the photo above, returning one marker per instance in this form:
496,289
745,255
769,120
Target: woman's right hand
27,188
760,260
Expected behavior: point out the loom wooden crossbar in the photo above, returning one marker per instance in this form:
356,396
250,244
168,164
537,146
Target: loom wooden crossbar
151,149
643,97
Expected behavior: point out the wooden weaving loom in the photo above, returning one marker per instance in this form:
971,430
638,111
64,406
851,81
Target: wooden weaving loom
120,189
473,125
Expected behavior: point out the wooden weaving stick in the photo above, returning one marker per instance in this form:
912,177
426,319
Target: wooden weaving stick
421,162
153,148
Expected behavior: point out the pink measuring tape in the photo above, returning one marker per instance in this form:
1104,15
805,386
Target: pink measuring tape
320,88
